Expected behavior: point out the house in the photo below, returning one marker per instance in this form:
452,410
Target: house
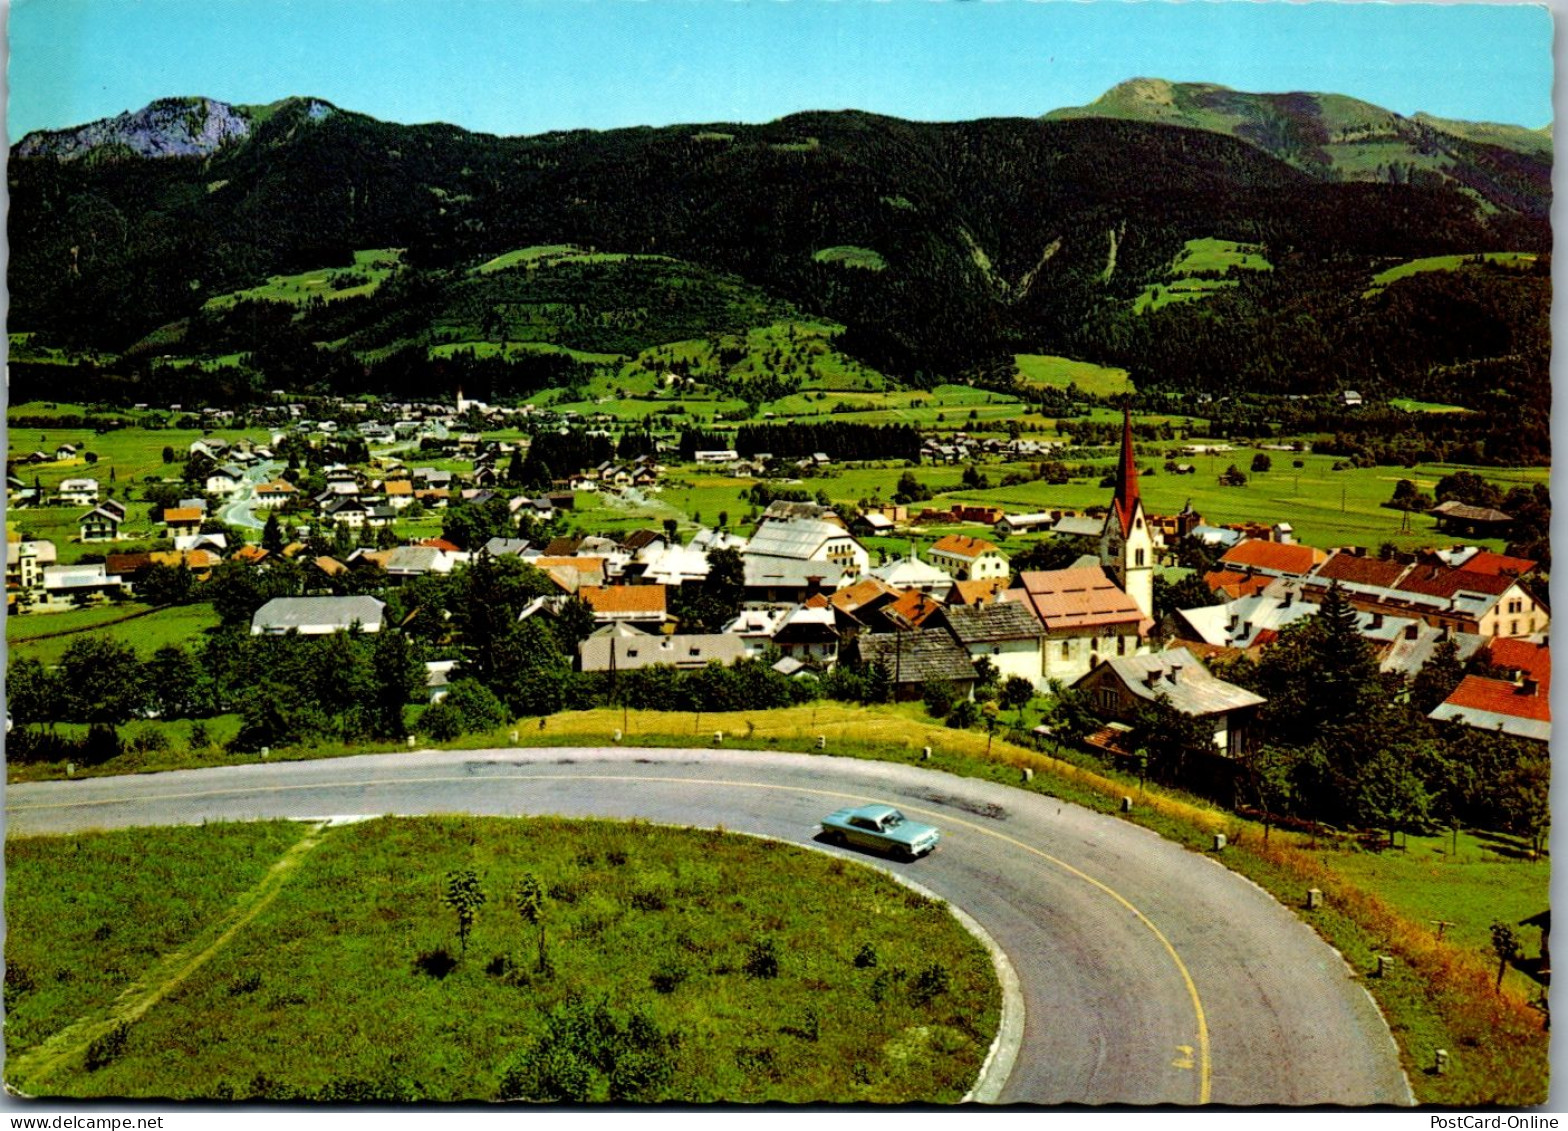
224,480
619,653
25,563
65,452
1274,558
1520,705
1121,687
1025,523
914,659
275,494
871,524
968,559
1483,594
80,584
1454,517
977,592
756,627
399,492
788,580
910,573
1006,633
316,616
1087,618
642,605
181,521
345,511
809,632
573,572
101,524
809,540
77,493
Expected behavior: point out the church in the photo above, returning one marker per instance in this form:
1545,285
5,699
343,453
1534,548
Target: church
1101,610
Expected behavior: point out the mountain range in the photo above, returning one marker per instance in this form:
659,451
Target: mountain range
936,245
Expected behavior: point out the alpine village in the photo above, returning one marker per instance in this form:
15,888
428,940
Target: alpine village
1183,456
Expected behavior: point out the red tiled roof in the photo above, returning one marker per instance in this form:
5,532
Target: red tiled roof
1437,580
1075,598
913,608
1535,660
1358,570
441,544
1500,697
861,593
962,546
1278,556
1235,584
976,592
1499,564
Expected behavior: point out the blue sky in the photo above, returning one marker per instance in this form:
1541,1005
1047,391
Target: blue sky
527,66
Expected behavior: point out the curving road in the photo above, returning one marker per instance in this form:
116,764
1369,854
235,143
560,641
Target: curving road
1149,974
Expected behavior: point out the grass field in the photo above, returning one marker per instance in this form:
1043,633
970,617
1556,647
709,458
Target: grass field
349,973
1406,404
851,256
1201,255
549,255
371,268
45,636
1445,263
1060,372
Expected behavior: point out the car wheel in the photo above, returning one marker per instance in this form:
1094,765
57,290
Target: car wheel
835,837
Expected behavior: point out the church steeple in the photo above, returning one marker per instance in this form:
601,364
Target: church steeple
1127,543
1125,501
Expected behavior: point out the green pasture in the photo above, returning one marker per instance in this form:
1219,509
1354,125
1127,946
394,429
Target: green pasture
1446,263
1201,255
1060,372
376,265
1489,878
518,349
550,255
36,635
740,954
131,452
1407,404
851,256
1219,255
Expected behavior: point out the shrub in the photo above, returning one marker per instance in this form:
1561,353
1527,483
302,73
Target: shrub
762,960
437,963
149,740
866,956
668,977
939,698
593,1053
929,983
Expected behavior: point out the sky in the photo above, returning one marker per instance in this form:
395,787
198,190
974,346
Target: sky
529,66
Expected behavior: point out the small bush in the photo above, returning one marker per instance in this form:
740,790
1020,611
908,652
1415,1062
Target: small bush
762,960
866,956
149,741
931,982
437,963
201,738
668,977
247,983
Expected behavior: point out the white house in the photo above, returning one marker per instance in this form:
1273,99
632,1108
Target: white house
316,616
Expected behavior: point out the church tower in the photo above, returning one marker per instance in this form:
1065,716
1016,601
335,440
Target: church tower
1126,543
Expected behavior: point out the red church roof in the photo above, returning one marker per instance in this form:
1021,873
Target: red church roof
1125,501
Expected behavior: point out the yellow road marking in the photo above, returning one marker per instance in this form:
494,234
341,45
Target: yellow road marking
1204,1067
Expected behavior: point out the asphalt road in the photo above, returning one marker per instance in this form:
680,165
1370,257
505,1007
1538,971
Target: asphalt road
1149,974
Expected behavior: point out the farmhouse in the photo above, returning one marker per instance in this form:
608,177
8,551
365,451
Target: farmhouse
1121,687
1006,633
968,559
616,652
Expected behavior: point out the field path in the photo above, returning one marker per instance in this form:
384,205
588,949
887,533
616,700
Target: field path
164,976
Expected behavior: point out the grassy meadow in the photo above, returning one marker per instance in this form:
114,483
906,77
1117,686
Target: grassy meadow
731,968
370,269
46,636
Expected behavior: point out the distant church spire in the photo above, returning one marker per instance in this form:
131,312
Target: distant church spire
1125,500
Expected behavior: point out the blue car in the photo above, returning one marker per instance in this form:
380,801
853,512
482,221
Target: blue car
882,828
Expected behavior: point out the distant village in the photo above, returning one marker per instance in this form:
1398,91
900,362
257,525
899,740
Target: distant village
950,609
